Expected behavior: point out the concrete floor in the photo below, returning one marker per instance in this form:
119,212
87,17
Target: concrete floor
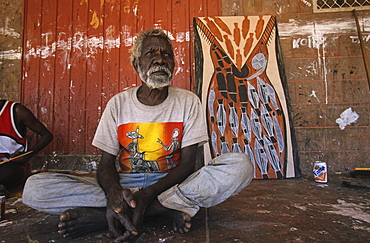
291,210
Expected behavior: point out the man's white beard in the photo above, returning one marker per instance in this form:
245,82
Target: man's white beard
155,80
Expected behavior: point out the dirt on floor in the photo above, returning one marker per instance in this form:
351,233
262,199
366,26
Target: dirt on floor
287,210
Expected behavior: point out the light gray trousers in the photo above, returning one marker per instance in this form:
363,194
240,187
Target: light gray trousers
223,177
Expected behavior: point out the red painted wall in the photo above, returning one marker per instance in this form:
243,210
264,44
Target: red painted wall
76,57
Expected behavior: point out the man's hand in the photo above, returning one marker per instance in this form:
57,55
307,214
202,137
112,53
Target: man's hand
24,159
142,199
119,203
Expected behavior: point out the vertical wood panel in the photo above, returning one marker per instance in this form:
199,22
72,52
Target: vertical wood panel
180,31
77,86
94,76
162,14
76,57
146,14
62,76
47,65
213,8
31,62
128,24
111,52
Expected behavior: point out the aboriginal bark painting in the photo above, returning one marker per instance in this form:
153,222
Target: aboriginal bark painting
240,79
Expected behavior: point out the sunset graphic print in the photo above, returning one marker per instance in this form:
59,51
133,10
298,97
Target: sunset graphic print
149,147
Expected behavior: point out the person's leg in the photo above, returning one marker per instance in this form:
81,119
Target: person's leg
56,192
12,175
80,201
4,191
78,221
225,176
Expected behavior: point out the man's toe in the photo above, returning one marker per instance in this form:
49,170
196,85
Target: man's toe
65,216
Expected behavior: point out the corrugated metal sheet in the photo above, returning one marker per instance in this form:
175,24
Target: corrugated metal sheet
76,57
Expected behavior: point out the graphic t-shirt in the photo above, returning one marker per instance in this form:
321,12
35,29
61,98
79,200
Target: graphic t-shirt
150,138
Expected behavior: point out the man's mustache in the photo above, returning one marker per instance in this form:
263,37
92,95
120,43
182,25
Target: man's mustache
159,69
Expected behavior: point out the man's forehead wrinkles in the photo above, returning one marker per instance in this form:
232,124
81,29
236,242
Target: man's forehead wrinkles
153,48
156,48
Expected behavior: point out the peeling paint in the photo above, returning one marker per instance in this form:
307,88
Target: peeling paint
313,94
303,208
352,210
11,54
316,34
80,45
7,31
307,3
319,28
19,200
5,223
325,71
44,110
126,88
71,86
89,46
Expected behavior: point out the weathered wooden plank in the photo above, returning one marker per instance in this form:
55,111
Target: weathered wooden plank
81,52
128,23
146,14
76,57
31,61
180,28
47,64
111,49
63,64
94,75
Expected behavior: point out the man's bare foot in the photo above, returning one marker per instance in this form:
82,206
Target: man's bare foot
181,221
79,221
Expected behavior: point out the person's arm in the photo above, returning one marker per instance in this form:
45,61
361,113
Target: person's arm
177,175
118,198
26,119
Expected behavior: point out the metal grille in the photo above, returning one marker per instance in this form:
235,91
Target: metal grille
339,5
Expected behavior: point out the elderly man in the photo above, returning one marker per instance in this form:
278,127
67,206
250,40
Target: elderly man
155,130
15,119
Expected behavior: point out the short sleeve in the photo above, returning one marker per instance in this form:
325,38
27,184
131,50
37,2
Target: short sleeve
195,129
106,137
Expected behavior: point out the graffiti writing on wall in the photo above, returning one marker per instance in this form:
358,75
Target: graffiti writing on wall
89,46
307,3
317,42
309,41
10,32
355,38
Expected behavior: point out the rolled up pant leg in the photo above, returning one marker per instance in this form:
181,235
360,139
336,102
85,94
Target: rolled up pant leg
55,192
225,176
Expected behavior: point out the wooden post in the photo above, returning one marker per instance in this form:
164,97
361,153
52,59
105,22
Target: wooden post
362,48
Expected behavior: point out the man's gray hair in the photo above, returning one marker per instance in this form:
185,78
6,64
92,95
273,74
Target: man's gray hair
137,47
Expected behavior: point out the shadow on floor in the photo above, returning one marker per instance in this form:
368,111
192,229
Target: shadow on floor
290,210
